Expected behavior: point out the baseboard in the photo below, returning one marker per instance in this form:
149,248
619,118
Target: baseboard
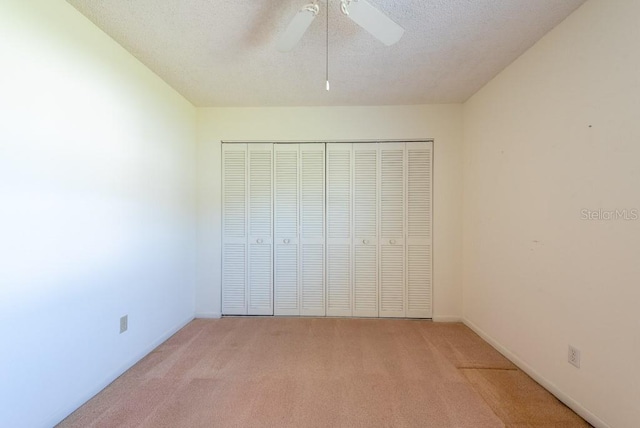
435,318
208,315
63,413
445,318
547,384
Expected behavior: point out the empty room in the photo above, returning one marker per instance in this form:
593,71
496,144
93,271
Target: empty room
320,213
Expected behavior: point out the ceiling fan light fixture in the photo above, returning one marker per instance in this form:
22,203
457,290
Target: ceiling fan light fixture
361,12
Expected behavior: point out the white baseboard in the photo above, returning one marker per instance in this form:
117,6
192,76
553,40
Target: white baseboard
445,318
58,416
547,384
208,315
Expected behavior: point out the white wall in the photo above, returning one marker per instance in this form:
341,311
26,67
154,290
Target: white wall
441,122
555,133
97,210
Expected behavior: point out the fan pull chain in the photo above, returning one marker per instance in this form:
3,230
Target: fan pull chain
328,86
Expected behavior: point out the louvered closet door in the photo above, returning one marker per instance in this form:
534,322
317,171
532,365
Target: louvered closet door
234,229
339,220
419,215
392,230
286,207
365,222
260,272
312,244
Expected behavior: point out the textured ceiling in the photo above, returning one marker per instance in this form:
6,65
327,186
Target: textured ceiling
222,52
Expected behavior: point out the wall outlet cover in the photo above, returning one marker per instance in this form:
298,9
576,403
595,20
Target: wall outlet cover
124,323
574,356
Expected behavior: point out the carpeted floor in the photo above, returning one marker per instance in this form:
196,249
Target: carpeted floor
324,372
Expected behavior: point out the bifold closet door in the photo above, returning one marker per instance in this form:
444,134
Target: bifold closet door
419,221
312,242
365,230
339,167
247,254
286,239
392,230
299,229
260,222
234,229
336,229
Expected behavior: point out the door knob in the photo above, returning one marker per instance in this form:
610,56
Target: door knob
286,241
392,242
259,241
365,241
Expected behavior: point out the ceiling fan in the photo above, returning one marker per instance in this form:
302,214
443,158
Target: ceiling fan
361,12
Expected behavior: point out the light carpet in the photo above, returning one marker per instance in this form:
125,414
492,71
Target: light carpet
324,372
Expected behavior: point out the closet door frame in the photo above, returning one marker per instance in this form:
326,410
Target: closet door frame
404,241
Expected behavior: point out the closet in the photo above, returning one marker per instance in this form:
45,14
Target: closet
327,229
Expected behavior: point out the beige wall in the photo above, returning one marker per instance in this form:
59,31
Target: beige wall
97,210
98,164
441,122
556,133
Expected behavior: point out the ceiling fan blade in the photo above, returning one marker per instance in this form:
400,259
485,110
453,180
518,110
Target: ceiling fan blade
375,22
297,27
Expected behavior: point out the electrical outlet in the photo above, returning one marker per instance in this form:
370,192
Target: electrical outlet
574,356
124,323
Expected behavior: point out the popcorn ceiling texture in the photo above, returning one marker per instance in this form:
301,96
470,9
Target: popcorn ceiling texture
222,52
